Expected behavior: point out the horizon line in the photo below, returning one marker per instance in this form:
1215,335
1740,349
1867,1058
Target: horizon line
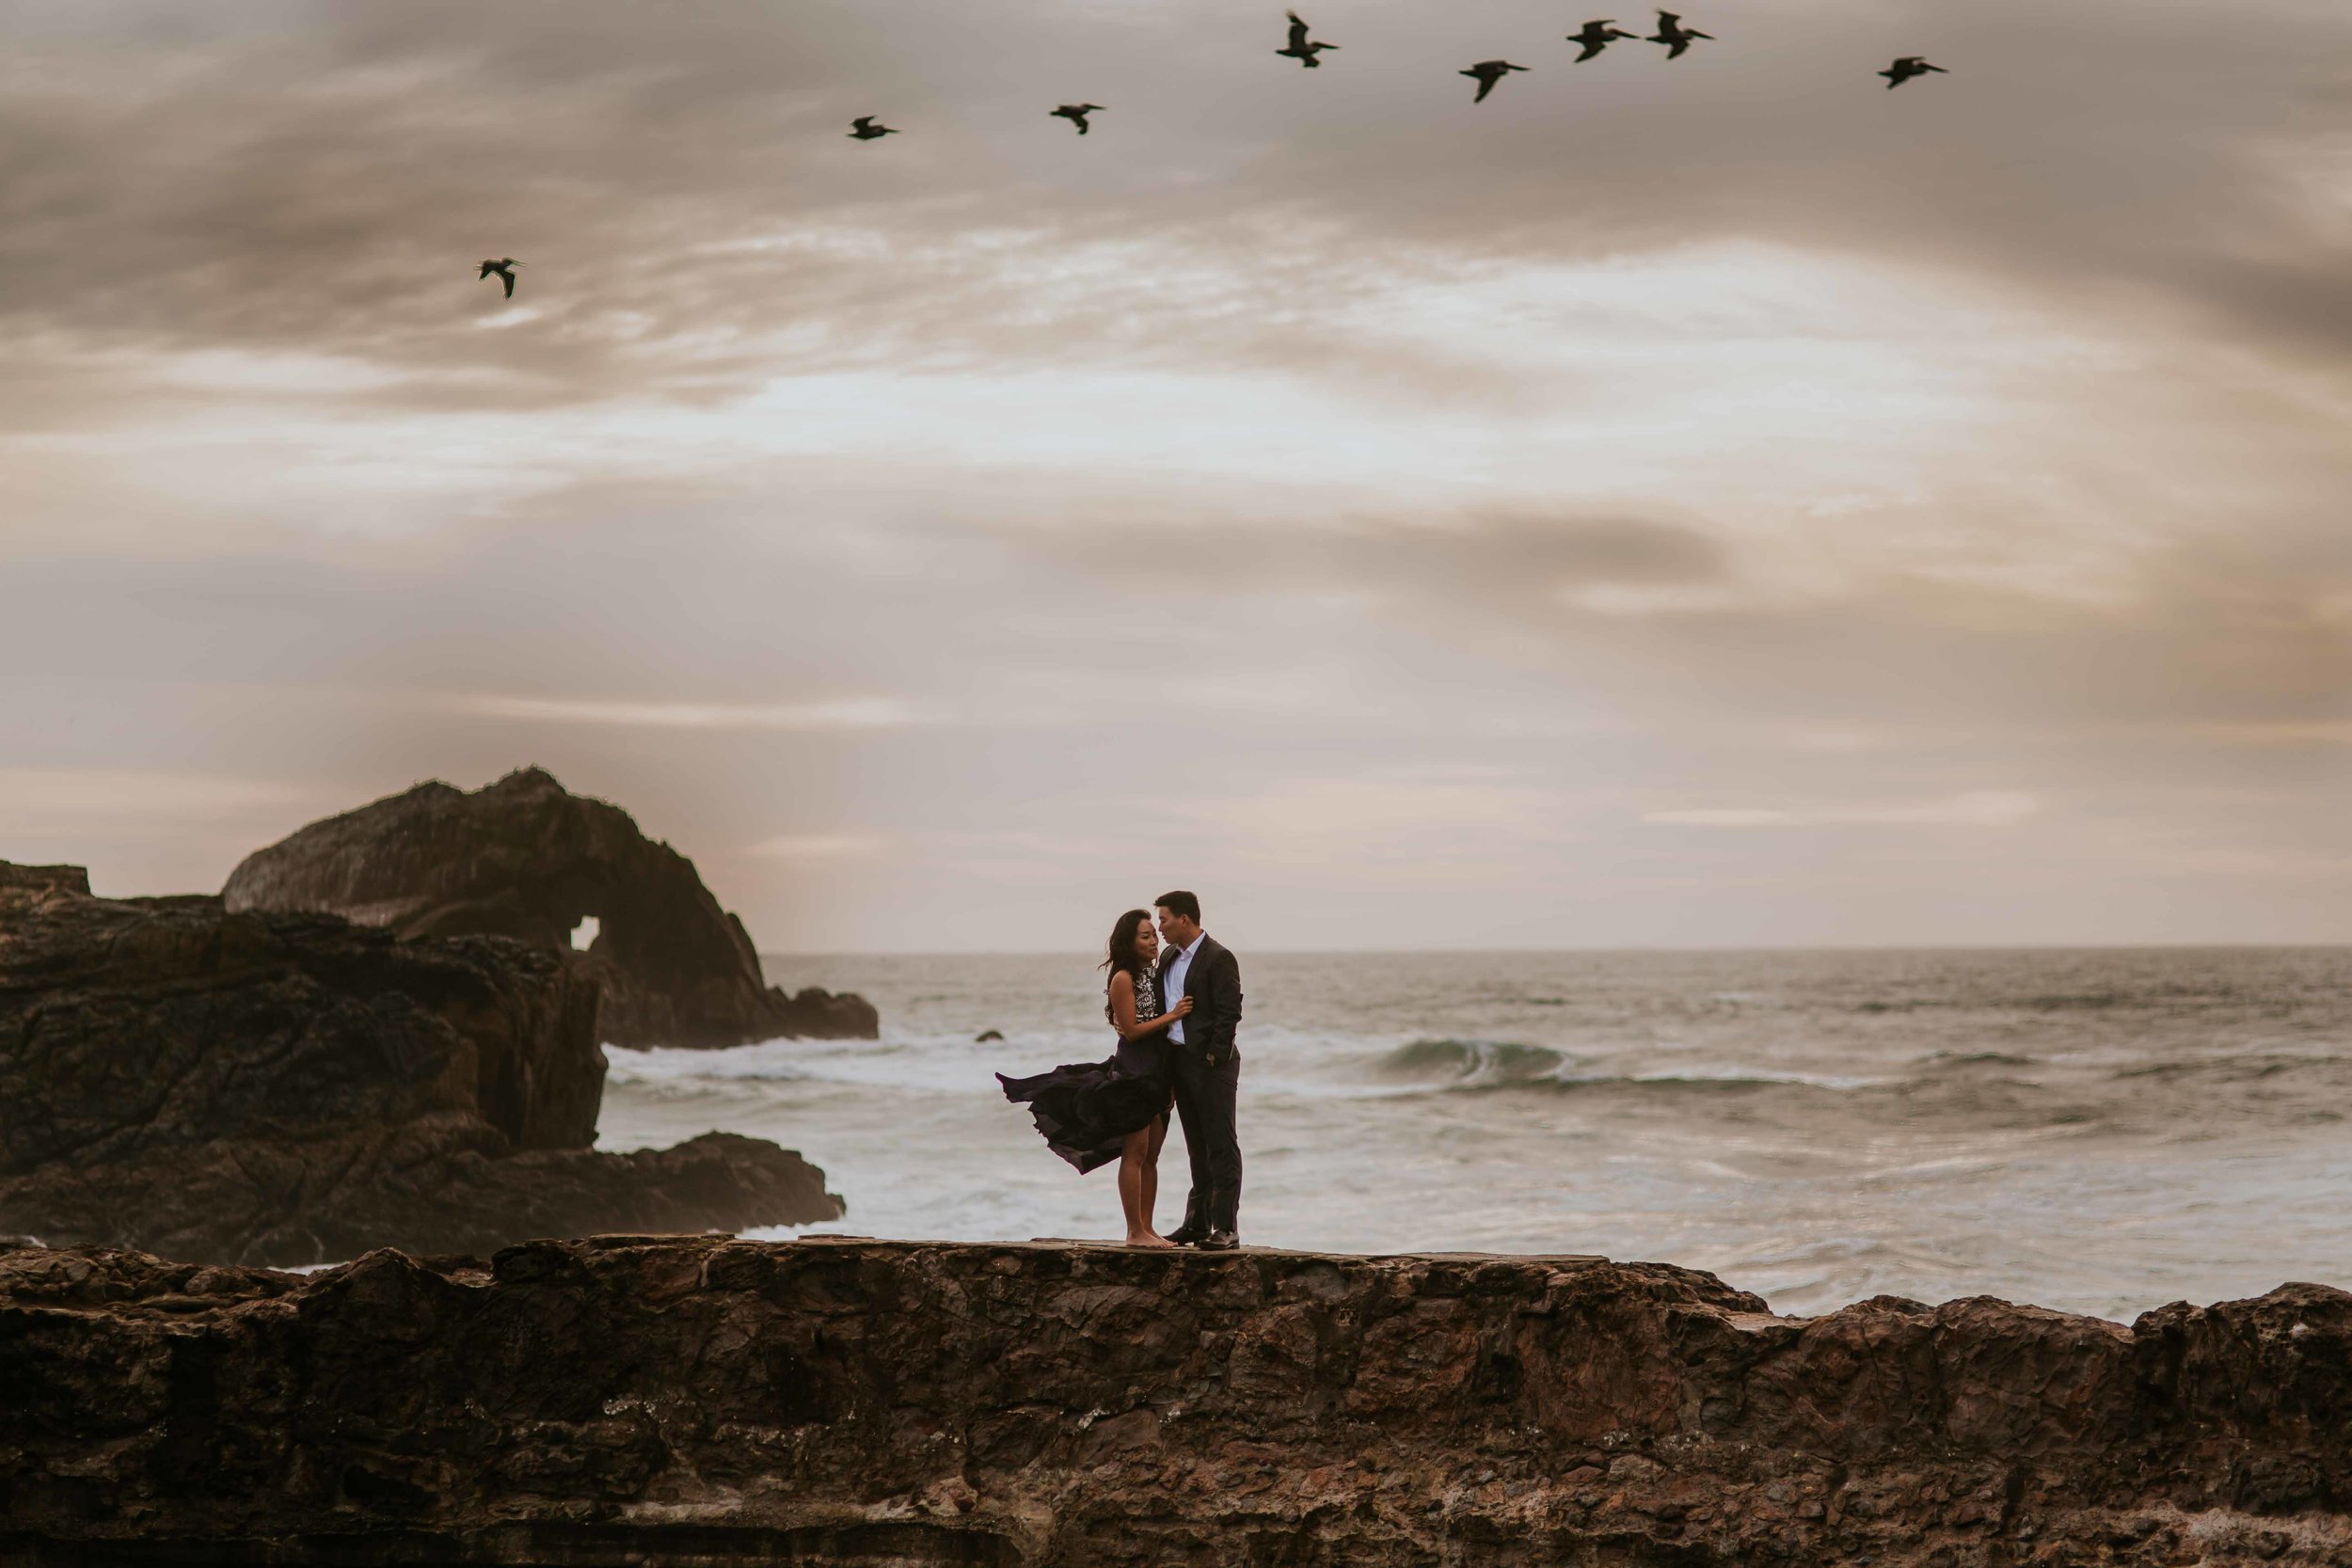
1562,952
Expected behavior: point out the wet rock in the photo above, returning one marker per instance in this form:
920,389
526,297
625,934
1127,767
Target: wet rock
294,1088
674,1401
524,858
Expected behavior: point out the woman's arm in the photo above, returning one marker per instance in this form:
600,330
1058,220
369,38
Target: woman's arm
1124,1009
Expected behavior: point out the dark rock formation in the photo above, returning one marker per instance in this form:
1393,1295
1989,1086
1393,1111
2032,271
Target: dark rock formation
44,879
292,1088
659,1402
525,858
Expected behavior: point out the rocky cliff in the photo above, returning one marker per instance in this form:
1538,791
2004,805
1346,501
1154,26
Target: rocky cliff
292,1088
525,858
666,1400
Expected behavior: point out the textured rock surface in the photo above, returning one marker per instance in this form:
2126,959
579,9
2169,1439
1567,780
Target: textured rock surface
524,858
667,1401
278,1088
43,878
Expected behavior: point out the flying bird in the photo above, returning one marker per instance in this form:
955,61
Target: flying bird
1077,113
1674,35
1905,68
1298,48
1487,73
1597,36
504,266
866,128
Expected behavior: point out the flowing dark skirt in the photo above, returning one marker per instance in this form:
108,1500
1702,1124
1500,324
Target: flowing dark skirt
1086,1110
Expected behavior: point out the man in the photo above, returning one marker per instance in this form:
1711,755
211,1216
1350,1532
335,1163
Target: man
1207,1071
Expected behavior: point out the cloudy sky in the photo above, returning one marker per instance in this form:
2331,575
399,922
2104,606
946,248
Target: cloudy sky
1716,503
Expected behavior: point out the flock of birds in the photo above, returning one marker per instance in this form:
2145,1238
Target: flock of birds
1591,39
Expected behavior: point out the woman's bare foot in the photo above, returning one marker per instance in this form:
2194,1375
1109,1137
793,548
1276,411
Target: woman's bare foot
1149,1237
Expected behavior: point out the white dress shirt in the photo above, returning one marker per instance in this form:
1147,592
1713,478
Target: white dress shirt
1178,967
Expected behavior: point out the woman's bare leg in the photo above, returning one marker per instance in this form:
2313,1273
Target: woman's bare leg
1134,1157
1150,1202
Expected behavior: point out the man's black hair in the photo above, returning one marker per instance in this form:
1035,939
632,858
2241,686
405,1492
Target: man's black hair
1181,902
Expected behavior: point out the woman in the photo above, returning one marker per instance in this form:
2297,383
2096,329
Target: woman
1093,1112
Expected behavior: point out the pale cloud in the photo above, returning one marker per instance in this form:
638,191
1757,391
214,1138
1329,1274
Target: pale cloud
1307,689
856,713
49,797
1406,814
818,846
2284,733
149,830
1980,808
1617,598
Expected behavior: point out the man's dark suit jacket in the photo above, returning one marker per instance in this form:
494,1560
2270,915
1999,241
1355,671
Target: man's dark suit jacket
1213,983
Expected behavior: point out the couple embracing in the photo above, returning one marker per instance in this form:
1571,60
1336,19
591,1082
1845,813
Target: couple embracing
1174,995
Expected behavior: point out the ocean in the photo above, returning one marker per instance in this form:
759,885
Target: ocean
2100,1132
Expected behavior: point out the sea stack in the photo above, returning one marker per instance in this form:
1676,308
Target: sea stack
527,859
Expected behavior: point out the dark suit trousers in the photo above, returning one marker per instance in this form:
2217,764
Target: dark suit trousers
1204,1106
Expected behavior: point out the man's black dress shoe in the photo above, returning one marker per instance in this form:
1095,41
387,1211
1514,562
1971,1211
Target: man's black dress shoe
1218,1241
1186,1235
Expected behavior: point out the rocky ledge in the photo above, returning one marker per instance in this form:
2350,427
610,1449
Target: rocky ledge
527,859
292,1088
652,1401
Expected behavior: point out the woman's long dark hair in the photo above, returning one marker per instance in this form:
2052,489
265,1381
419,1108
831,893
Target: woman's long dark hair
1120,958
